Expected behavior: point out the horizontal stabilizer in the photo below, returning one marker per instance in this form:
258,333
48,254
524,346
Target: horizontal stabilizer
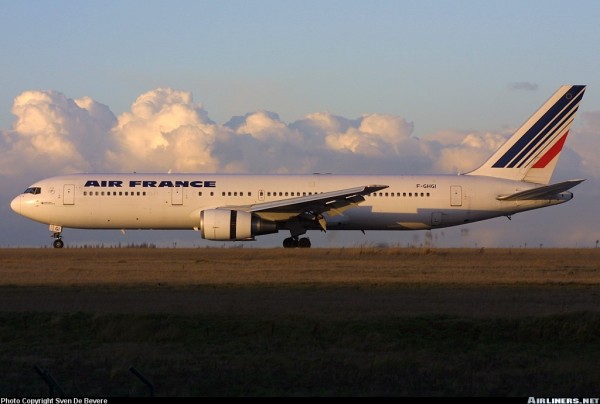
544,192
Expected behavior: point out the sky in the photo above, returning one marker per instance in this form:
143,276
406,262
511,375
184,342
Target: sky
265,86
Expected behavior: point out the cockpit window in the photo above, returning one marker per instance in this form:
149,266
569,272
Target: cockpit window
33,190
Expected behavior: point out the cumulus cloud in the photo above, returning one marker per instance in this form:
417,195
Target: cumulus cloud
373,135
462,152
55,133
165,130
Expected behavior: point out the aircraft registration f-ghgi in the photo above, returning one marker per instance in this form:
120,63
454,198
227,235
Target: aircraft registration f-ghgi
514,179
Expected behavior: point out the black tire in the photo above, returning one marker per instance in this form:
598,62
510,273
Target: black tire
58,243
304,243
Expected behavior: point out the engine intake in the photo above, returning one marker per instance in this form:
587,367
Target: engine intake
225,224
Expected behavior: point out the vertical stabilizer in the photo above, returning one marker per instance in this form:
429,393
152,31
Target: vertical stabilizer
532,152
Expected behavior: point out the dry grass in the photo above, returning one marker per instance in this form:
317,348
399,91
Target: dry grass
319,322
358,266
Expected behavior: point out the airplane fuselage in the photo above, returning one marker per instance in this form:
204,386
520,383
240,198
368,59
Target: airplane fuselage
174,201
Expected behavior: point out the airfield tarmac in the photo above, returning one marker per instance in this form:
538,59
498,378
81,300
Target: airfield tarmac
353,282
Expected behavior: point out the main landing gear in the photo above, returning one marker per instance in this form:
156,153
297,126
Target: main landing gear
295,242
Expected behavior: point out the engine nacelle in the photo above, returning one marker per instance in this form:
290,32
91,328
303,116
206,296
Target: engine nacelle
225,224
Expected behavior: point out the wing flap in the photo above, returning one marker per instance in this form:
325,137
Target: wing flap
544,192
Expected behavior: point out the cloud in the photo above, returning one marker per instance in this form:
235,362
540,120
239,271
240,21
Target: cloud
586,143
462,152
53,133
373,135
165,130
523,85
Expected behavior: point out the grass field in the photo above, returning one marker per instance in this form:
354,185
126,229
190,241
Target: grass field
319,322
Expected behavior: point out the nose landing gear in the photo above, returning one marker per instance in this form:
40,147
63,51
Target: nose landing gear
58,243
57,235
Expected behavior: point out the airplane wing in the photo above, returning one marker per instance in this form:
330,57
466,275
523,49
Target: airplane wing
313,206
544,192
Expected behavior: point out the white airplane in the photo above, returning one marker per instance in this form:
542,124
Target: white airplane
241,207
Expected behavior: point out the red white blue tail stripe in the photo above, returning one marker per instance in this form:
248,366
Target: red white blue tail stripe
549,127
532,152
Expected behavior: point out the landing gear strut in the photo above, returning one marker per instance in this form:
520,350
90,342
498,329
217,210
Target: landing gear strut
295,242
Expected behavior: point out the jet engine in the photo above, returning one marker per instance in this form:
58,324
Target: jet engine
225,224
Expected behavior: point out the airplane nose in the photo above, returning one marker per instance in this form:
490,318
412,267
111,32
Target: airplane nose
16,204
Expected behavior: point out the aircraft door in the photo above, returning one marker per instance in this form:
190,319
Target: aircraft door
261,194
69,194
455,195
177,196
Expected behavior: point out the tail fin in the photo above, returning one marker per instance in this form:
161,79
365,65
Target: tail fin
532,152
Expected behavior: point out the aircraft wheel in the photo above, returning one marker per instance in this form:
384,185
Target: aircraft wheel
304,243
58,243
289,243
